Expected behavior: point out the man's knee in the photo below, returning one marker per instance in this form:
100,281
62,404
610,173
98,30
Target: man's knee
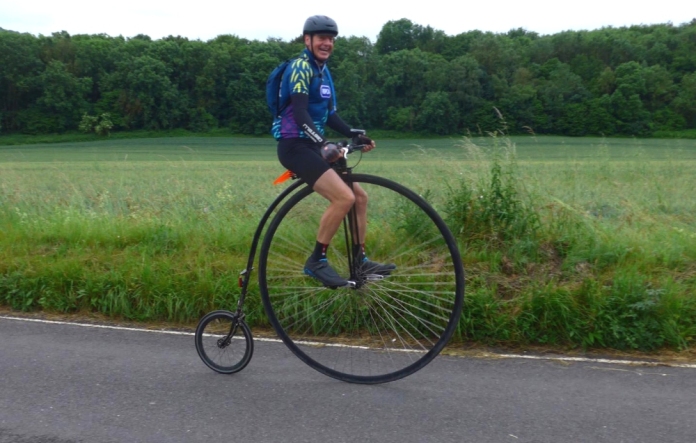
361,199
331,187
360,196
347,199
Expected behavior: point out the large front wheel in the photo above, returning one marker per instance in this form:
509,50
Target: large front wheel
385,327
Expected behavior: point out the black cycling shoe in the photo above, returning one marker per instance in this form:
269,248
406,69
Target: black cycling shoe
324,273
372,267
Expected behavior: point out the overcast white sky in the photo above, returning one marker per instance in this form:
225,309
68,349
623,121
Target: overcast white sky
260,19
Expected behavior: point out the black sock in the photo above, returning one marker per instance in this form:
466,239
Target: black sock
319,251
359,251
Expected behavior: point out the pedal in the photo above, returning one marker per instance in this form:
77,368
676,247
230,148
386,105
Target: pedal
374,277
351,284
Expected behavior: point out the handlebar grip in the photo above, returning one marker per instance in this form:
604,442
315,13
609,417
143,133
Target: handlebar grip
331,152
356,141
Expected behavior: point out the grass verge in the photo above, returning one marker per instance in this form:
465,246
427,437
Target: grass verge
590,249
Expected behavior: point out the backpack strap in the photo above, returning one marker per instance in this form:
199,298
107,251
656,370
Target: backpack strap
332,103
281,107
288,62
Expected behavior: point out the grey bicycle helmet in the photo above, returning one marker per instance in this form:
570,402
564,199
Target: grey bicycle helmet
320,24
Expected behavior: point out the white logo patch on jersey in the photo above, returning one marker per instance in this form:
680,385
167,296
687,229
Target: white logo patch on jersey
325,91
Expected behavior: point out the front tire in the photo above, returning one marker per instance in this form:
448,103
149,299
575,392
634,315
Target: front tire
385,328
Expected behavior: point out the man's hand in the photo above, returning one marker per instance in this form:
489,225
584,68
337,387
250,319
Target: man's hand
367,142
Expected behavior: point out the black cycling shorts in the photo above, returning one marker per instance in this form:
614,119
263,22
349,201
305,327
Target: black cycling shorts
303,157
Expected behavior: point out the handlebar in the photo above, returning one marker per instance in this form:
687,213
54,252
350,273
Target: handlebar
334,151
355,145
349,148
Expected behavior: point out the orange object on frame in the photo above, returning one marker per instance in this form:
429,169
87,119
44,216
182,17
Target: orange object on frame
283,177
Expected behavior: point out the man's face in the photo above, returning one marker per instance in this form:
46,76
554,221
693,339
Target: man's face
321,45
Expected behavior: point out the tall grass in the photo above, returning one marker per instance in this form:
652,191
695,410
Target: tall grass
574,242
592,253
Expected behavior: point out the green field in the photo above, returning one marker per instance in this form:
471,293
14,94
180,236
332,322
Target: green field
566,241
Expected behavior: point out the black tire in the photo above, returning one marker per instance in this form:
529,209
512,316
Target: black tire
220,351
383,330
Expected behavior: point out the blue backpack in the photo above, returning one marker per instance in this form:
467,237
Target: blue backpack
273,84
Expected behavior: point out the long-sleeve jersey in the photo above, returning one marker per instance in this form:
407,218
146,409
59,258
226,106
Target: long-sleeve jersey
312,103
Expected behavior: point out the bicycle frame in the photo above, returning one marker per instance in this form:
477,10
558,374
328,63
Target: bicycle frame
245,275
393,316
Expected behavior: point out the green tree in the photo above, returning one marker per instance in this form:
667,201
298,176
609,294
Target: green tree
521,109
20,66
437,115
628,108
397,35
63,100
685,102
460,44
353,67
96,57
599,119
401,80
223,65
400,119
497,55
561,93
629,80
660,89
246,95
465,90
147,98
58,47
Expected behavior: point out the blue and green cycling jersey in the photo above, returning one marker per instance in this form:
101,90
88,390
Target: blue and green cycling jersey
304,76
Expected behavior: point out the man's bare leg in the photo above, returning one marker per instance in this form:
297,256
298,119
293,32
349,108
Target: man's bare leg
361,212
341,199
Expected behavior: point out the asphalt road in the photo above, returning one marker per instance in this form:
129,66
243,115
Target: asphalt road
66,383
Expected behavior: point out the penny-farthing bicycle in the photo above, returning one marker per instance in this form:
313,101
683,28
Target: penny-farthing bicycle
378,328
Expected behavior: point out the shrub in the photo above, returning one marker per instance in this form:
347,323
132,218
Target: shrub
101,125
492,209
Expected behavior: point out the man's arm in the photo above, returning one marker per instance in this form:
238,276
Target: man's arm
337,124
303,119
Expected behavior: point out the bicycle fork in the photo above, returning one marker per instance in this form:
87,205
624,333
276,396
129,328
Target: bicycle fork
351,229
245,275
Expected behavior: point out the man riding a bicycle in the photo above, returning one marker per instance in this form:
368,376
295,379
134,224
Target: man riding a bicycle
299,130
378,325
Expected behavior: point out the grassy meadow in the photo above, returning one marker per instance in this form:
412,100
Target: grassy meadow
579,242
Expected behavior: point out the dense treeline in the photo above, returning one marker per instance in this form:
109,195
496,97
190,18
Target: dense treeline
632,81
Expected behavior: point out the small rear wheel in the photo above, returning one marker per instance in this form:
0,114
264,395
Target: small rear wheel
224,342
